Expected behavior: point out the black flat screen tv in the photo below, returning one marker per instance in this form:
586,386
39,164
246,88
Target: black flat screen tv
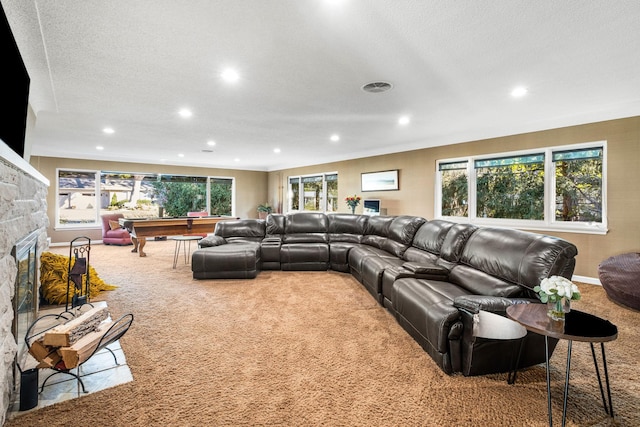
15,90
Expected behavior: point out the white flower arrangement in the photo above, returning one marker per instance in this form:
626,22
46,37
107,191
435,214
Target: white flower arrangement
554,288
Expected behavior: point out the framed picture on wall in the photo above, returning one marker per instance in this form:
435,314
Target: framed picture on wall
380,181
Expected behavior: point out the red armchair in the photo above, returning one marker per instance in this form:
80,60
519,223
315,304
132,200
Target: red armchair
112,233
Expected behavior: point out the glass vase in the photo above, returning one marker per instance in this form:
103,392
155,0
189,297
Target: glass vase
557,310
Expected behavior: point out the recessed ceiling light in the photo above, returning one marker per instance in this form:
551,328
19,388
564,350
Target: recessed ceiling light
276,150
377,87
185,113
108,130
236,159
180,155
519,92
230,75
211,143
99,147
404,120
335,137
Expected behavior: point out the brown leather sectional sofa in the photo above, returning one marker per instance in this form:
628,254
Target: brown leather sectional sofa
433,276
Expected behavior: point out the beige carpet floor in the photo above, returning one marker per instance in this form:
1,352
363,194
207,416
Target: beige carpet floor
313,349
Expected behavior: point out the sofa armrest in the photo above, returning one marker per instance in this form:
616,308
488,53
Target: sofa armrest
475,303
431,269
211,240
272,240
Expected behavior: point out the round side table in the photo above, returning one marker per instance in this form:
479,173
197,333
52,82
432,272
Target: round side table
183,241
578,326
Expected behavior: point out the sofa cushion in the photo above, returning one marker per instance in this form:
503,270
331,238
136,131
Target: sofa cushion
374,241
306,227
376,230
403,228
304,256
419,256
346,227
347,223
211,240
275,225
306,222
418,268
431,235
243,230
237,261
480,283
455,240
358,255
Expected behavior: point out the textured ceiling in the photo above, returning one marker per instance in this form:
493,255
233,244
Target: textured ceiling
131,65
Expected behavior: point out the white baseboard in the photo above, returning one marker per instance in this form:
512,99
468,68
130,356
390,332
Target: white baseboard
93,242
585,279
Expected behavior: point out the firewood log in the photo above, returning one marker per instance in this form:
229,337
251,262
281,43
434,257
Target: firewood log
73,330
82,349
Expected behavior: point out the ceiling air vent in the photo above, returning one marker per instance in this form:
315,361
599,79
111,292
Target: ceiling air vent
377,87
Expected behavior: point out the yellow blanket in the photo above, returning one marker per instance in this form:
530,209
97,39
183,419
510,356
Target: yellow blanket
54,272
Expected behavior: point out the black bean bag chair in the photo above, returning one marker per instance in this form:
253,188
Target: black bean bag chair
620,278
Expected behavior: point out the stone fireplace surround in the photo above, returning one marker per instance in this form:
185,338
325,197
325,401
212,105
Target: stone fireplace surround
23,210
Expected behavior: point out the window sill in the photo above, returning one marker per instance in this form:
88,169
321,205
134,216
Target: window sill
77,227
580,228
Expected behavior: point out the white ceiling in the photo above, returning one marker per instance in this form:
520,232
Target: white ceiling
132,64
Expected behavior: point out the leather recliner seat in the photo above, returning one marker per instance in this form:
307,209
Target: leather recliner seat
433,276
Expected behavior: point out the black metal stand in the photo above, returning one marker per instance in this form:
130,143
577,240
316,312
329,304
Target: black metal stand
78,273
608,410
113,334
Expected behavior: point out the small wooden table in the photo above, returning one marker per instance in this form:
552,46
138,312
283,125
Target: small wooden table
578,326
140,229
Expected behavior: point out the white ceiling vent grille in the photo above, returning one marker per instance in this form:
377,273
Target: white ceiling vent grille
377,87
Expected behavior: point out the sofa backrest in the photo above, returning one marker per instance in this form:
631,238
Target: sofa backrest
454,242
393,234
346,227
275,225
241,230
377,230
306,227
507,262
427,242
401,233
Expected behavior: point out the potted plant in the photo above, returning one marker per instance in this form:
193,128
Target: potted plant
557,292
264,210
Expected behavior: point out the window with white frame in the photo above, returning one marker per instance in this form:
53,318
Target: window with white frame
317,192
83,196
558,188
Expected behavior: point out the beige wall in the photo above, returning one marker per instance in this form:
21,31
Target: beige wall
417,176
251,187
